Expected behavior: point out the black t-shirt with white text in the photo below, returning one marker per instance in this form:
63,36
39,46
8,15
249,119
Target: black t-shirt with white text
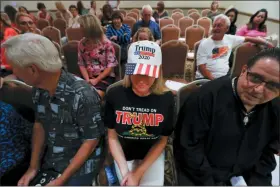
138,121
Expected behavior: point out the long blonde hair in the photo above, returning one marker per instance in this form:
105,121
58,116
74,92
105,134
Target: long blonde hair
92,27
158,87
60,6
146,30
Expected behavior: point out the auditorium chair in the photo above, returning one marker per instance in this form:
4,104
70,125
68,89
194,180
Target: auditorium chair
193,34
70,51
204,12
123,12
191,11
165,21
61,25
52,33
169,32
242,54
174,55
195,16
133,15
130,21
178,10
184,23
118,69
74,34
42,23
206,23
176,16
135,10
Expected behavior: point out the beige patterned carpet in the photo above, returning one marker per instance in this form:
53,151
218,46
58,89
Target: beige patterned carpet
189,70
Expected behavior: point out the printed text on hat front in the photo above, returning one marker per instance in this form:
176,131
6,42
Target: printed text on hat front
146,51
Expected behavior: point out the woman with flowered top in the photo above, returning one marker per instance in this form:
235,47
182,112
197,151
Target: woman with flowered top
96,55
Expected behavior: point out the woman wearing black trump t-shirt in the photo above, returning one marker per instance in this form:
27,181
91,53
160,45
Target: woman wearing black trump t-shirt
139,115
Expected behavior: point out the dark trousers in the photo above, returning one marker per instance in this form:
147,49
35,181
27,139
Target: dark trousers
84,180
185,180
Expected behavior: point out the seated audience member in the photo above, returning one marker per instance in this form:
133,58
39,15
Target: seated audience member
7,31
11,12
74,20
214,52
15,145
143,33
96,55
43,14
214,10
93,9
137,143
6,28
256,26
106,18
16,132
68,118
23,9
65,14
146,22
226,127
160,12
81,9
119,33
114,4
232,14
25,23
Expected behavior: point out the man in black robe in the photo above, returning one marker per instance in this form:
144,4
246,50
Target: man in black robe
228,130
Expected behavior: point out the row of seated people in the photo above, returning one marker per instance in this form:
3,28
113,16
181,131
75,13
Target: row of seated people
214,53
43,13
106,18
123,38
253,28
139,117
120,34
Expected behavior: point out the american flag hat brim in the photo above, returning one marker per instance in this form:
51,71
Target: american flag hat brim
142,69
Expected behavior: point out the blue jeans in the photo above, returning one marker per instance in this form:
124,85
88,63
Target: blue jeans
84,180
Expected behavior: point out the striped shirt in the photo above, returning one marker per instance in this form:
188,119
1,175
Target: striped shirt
123,34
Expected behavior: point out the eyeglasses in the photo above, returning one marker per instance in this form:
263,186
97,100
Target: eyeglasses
257,79
26,23
147,15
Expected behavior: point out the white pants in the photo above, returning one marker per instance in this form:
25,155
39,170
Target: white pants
154,175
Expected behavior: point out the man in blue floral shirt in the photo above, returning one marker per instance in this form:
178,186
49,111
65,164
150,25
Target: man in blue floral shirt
68,116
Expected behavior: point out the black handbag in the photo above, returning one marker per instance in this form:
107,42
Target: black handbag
44,177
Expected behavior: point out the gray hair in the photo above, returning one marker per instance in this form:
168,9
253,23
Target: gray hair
223,17
27,49
148,7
